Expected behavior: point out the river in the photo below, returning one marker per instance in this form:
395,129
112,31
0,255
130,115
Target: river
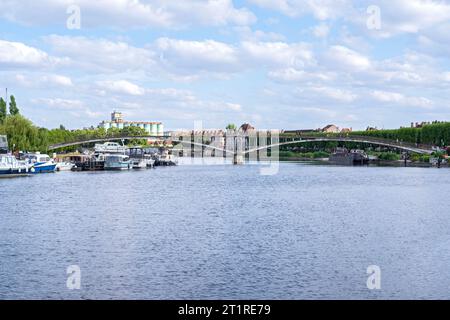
227,232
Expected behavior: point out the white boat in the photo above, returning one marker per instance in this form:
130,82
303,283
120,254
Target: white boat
110,147
64,166
41,162
117,162
166,159
139,159
11,167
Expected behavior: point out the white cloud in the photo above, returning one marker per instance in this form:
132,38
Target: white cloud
246,33
341,57
295,75
278,54
398,98
320,9
208,55
66,104
42,81
412,16
336,94
129,13
17,54
121,86
321,31
101,54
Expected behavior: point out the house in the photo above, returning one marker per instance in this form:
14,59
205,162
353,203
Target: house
246,127
346,130
372,129
331,128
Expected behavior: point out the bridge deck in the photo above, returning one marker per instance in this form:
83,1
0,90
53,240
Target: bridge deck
281,141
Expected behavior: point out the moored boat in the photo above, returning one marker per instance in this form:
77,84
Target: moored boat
140,159
11,167
166,159
42,163
344,157
110,147
117,162
64,166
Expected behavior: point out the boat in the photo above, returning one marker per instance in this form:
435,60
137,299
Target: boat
166,159
140,159
64,166
110,147
42,163
344,157
11,167
117,162
84,162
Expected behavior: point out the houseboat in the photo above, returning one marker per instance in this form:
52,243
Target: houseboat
84,162
117,162
342,156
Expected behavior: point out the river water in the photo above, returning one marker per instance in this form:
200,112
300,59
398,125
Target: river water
227,232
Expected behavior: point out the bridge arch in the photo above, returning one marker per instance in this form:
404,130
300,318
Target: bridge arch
379,143
365,140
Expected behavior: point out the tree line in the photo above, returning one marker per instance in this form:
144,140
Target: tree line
437,134
23,135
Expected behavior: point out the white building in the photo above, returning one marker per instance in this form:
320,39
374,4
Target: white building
117,121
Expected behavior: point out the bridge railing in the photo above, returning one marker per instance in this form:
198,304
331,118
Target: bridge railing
367,139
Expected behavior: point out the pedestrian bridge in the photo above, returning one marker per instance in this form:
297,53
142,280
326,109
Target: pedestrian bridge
269,142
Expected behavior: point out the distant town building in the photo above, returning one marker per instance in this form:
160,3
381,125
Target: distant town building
371,129
117,121
331,128
346,130
246,128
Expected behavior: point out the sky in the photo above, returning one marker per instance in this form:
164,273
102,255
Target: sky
277,64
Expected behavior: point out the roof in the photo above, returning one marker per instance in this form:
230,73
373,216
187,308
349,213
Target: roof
246,127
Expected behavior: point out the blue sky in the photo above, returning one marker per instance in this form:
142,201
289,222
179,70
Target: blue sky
274,63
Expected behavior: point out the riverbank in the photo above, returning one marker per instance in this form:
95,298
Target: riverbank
378,163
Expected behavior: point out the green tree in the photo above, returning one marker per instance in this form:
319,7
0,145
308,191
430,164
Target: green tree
3,112
13,110
231,126
22,134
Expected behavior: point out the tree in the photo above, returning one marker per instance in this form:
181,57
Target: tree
231,126
3,112
21,133
13,110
